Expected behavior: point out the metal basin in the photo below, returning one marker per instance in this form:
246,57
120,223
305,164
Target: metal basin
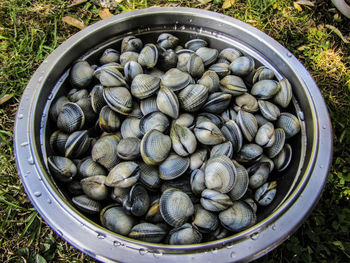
299,188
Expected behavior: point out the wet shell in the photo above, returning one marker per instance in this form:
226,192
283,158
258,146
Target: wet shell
58,140
166,40
115,219
167,59
148,56
229,114
185,120
149,105
269,110
74,94
262,73
57,107
221,69
241,183
81,74
118,99
86,204
225,148
198,158
144,86
185,235
167,102
175,79
148,232
195,44
109,55
282,160
238,217
278,145
246,102
265,194
104,151
123,175
71,118
77,144
289,123
173,167
233,134
62,168
175,207
248,124
89,167
204,220
131,128
120,194
211,80
259,173
153,214
197,181
220,174
137,201
233,85
155,147
183,140
182,59
129,148
265,137
211,117
154,120
149,176
208,133
284,95
110,76
215,201
128,56
265,89
230,54
195,66
94,187
131,43
96,97
242,66
193,97
217,102
109,120
208,55
132,69
249,152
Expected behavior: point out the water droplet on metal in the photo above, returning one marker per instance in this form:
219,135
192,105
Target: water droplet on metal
301,115
24,144
157,254
101,236
142,251
214,250
233,255
50,97
229,245
321,166
30,160
324,126
117,244
49,201
273,227
254,236
37,194
20,116
289,54
40,79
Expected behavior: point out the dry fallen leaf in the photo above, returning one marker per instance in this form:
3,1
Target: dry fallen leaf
297,6
105,13
305,2
73,22
339,34
204,2
228,4
77,2
6,97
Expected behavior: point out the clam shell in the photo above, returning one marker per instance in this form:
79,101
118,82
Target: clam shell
175,207
182,59
118,99
153,214
62,168
71,118
86,204
167,59
150,176
166,40
120,194
220,174
89,167
57,141
233,134
115,219
211,80
262,73
211,117
167,102
233,85
221,69
109,55
249,152
104,151
215,201
57,106
265,89
275,149
110,76
185,120
96,97
94,187
289,123
198,158
175,79
131,43
242,66
204,220
109,120
155,147
128,56
132,69
248,124
241,183
144,86
208,55
197,181
238,217
77,144
229,114
149,105
123,175
225,148
265,194
195,66
173,167
131,128
246,102
195,44
183,140
284,95
154,120
74,94
148,232
148,56
217,102
137,201
208,133
259,173
185,235
269,110
230,54
129,148
81,74
265,137
282,160
193,97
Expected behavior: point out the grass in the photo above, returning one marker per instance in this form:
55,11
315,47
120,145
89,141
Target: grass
31,30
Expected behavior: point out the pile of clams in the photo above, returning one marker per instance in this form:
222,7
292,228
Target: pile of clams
172,144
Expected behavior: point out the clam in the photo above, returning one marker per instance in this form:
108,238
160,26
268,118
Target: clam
86,204
198,158
208,133
195,66
265,89
246,102
282,160
181,183
208,55
120,194
262,73
71,118
232,133
132,69
155,147
265,194
153,214
193,97
211,117
269,110
230,54
219,233
115,219
215,201
217,102
238,217
129,148
229,114
248,124
136,111
260,120
284,95
57,107
221,69
258,174
241,182
265,137
249,152
149,176
175,79
289,123
123,175
96,97
175,207
242,66
57,141
148,56
62,168
109,55
167,59
233,85
94,187
211,80
154,120
74,94
74,188
195,44
183,57
275,149
220,174
131,43
167,102
110,76
173,167
109,120
144,86
128,56
77,144
118,99
148,232
89,167
204,220
183,140
185,235
137,202
185,120
85,105
104,151
265,159
166,40
131,128
81,74
252,204
225,148
149,105
197,181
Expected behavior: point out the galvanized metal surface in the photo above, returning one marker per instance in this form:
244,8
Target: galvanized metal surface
301,186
